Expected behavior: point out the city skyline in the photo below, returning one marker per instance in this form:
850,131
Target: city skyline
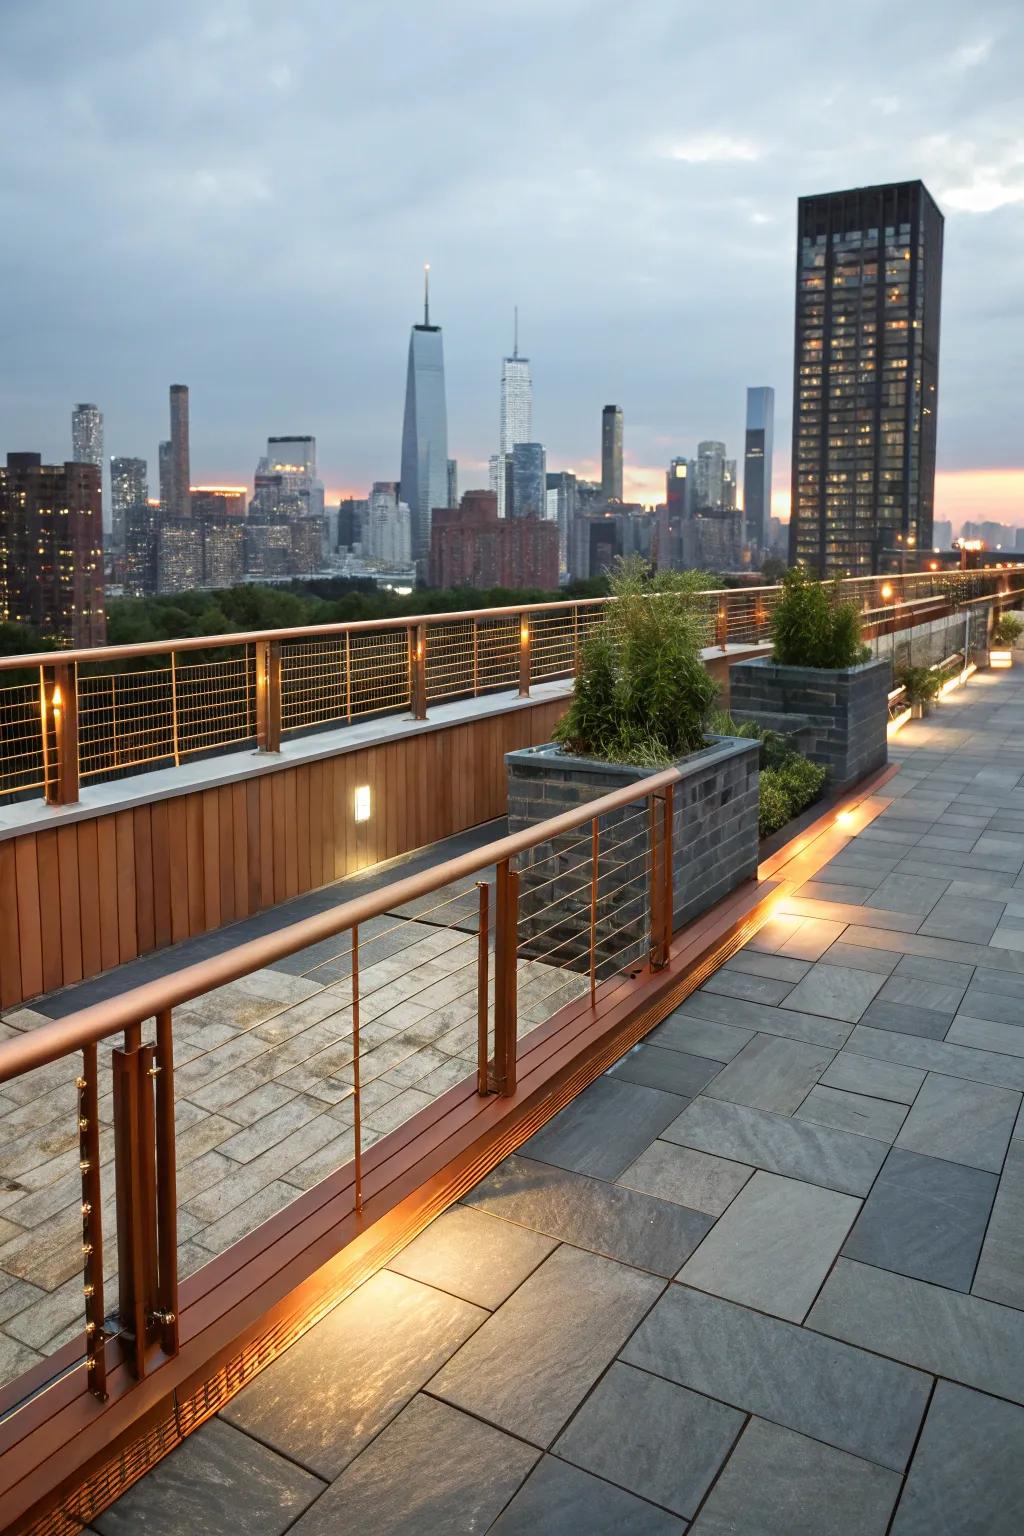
672,310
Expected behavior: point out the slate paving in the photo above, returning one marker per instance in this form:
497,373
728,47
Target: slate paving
765,1277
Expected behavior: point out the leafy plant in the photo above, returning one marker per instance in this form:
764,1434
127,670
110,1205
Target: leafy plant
813,627
643,695
789,782
803,782
773,809
920,684
1007,629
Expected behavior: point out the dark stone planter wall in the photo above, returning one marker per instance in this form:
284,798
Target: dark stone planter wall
842,716
714,839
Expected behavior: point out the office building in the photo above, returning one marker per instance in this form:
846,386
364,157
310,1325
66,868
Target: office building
942,534
868,291
526,481
453,483
710,475
712,540
87,439
516,421
757,465
729,484
179,554
387,531
562,508
292,462
223,541
141,524
219,501
424,482
178,504
679,488
352,515
470,546
51,549
611,453
129,487
164,462
268,546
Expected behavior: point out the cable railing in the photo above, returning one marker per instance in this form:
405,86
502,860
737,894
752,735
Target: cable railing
146,1135
74,717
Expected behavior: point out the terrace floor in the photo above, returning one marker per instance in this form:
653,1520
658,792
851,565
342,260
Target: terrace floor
764,1277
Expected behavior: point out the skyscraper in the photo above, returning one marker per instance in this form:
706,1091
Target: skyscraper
526,492
179,502
424,482
729,483
387,531
865,389
453,483
51,549
757,465
87,438
164,461
562,507
611,453
128,489
294,460
710,482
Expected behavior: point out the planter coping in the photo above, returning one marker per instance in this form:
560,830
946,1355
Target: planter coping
814,672
721,748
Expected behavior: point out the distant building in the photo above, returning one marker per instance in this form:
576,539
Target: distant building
87,438
526,481
129,488
453,483
562,506
352,513
219,501
268,547
179,554
942,535
292,462
387,530
141,524
424,482
51,549
164,461
179,505
710,481
223,551
611,453
471,546
757,465
868,292
729,483
679,488
712,540
516,422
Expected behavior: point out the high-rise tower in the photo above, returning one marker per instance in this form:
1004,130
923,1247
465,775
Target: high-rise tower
129,488
866,374
180,478
87,437
710,488
757,466
611,453
424,483
516,424
51,549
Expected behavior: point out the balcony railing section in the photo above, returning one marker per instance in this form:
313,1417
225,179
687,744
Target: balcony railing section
83,716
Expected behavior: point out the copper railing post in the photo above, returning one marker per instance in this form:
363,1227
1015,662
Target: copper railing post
61,693
418,671
357,1118
136,1206
92,1224
595,849
661,877
166,1188
524,655
268,695
482,977
722,626
506,945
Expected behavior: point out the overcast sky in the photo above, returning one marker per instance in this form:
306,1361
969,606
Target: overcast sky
239,195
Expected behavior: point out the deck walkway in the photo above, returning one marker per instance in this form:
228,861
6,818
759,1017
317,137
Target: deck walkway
765,1277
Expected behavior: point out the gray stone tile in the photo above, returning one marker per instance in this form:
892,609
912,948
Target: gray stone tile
778,1483
925,1218
852,1112
902,989
560,1500
757,989
847,1397
392,1334
835,991
1000,1275
960,1337
907,893
944,973
652,1066
965,1122
882,961
1003,983
938,1056
905,1019
652,1437
473,1255
604,1129
537,1357
774,1245
771,1073
780,967
759,1017
700,1037
995,1004
218,1481
967,1478
844,895
971,922
433,1470
691,1178
986,1035
878,1079
795,1148
617,1222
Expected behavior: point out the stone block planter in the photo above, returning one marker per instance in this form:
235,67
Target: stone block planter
842,715
714,839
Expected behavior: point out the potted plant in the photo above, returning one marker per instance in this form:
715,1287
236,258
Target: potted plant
921,686
820,676
1006,631
643,700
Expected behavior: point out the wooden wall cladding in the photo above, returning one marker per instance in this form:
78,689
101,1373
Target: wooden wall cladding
78,899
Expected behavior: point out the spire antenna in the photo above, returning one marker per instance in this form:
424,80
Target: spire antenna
426,293
515,342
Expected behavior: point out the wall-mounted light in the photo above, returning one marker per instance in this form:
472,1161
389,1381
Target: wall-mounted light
887,592
362,802
56,697
524,632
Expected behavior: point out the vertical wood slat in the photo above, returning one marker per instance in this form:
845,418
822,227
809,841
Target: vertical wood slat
226,838
89,896
29,927
160,832
195,868
145,925
178,853
49,909
127,931
11,989
106,859
70,905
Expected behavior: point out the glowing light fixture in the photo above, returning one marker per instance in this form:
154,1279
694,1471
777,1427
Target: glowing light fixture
887,592
362,802
1000,659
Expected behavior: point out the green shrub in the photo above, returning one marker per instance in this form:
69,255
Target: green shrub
921,684
773,809
803,782
1007,630
643,695
813,627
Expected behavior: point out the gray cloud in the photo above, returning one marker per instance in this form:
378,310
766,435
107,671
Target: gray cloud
240,195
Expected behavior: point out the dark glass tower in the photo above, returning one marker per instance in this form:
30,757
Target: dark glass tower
424,483
865,387
611,453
